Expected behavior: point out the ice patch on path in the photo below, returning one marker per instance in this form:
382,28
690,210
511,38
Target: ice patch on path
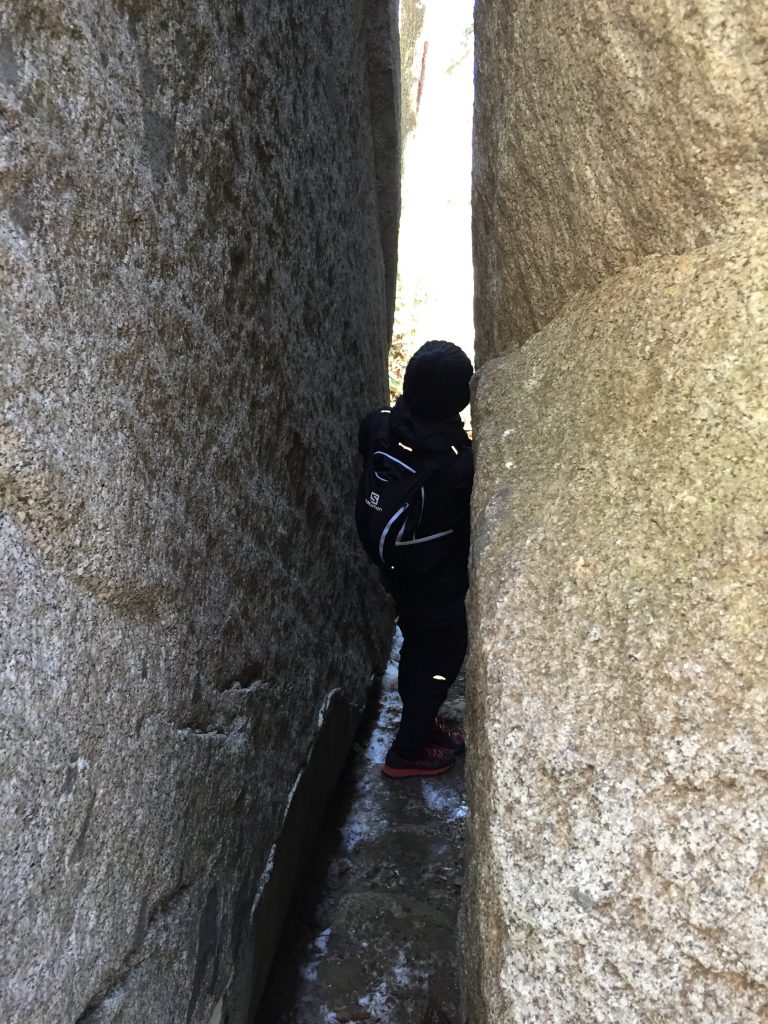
308,971
378,1003
381,738
408,977
389,710
443,800
321,940
355,831
377,748
390,672
381,1004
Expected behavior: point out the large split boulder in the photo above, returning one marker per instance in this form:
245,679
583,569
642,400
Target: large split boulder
196,304
620,605
604,133
618,692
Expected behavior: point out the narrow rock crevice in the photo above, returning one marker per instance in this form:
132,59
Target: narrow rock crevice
371,935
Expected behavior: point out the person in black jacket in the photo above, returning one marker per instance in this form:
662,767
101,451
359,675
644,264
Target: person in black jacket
429,598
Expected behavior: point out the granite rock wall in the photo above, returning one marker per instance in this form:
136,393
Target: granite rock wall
195,314
412,62
619,609
607,133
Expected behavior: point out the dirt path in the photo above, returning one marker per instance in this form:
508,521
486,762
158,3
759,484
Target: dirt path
372,935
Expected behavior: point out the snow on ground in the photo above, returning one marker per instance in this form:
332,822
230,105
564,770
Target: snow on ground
389,714
447,802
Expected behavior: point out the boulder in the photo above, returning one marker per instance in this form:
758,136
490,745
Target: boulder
618,727
605,133
195,318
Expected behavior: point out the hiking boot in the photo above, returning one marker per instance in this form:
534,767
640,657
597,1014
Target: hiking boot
443,736
431,761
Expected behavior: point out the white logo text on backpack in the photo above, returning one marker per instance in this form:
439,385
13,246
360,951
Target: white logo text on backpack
373,502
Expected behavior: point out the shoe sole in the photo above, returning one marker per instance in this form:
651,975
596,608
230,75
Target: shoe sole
405,773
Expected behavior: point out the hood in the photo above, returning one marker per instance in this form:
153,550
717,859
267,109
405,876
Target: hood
436,381
425,435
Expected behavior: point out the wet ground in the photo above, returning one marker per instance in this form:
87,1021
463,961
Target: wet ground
372,934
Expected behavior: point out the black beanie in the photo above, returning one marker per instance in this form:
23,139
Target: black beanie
436,382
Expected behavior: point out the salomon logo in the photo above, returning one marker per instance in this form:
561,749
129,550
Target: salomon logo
373,502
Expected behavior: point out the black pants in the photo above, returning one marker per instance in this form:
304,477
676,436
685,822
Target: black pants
430,659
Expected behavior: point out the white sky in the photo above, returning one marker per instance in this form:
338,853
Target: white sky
435,253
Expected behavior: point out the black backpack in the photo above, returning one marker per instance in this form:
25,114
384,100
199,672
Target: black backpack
389,506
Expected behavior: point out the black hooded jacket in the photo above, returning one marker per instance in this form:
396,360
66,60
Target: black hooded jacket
437,594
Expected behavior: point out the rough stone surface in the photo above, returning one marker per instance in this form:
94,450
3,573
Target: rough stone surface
618,781
194,316
383,55
606,132
617,692
412,62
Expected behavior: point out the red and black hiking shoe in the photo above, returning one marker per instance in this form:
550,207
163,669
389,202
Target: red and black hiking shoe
443,736
431,761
